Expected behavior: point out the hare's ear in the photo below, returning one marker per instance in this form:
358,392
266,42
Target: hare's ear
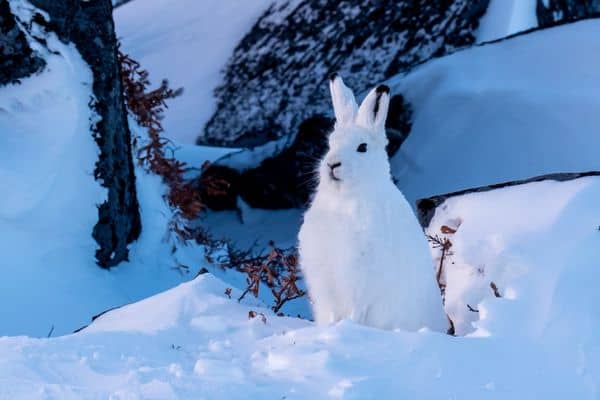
344,104
374,108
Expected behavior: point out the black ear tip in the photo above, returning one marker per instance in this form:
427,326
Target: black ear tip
333,76
383,89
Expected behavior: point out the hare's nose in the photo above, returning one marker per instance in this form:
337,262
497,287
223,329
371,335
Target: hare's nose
334,166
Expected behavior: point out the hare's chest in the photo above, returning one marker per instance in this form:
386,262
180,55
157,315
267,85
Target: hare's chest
343,229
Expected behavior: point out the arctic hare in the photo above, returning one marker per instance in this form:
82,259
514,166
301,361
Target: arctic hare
363,254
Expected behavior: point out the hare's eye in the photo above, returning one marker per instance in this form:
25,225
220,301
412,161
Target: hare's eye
362,148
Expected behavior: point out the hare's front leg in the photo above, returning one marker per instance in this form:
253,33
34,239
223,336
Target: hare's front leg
322,295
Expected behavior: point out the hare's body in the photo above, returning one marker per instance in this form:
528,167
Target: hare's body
362,252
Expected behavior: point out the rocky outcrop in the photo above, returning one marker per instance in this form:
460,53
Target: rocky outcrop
17,60
276,78
553,12
89,25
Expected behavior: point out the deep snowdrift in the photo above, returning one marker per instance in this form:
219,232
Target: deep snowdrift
519,108
187,42
540,340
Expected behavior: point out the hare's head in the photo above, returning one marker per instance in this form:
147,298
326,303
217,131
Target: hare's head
356,156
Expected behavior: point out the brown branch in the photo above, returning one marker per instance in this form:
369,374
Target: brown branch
495,289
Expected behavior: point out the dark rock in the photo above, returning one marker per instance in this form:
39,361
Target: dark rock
288,179
560,11
398,123
89,25
226,197
17,60
426,207
267,94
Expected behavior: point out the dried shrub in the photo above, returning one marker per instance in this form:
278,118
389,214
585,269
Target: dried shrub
147,107
278,270
444,244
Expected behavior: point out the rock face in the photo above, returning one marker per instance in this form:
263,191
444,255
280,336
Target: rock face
17,60
277,76
552,12
89,25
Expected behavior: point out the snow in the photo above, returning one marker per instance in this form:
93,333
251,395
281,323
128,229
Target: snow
52,284
540,340
500,112
506,17
187,42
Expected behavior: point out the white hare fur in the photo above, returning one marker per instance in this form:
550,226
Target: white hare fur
363,254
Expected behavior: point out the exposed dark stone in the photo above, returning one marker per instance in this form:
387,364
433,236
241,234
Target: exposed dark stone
398,123
558,11
89,25
287,180
226,199
268,94
426,207
17,60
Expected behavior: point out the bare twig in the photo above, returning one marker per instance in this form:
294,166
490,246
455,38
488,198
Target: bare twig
472,309
495,289
444,244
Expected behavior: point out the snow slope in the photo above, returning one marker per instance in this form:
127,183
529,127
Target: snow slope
540,340
187,42
50,282
511,110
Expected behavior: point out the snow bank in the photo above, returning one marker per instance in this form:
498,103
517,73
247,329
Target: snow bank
506,111
187,42
540,340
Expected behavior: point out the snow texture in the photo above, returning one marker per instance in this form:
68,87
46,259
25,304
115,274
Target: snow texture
539,340
362,251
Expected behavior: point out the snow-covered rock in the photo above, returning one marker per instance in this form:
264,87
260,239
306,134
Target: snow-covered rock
18,60
187,42
277,75
552,12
